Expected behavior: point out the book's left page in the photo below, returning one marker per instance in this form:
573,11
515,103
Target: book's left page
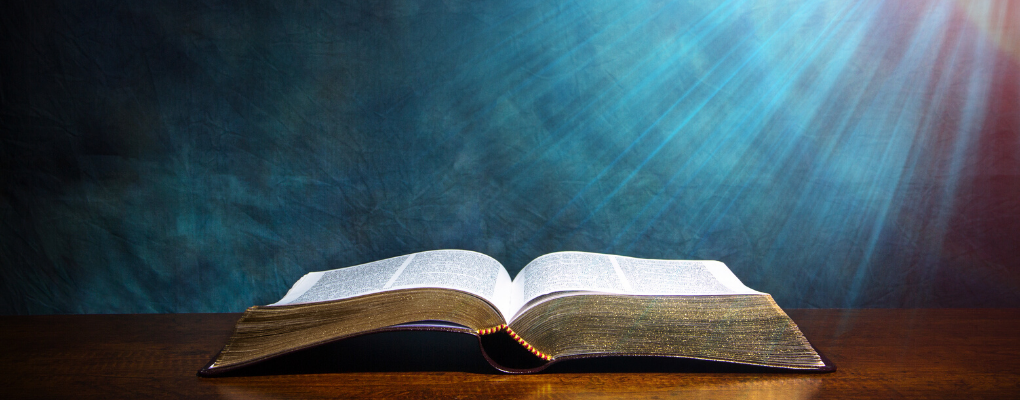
462,270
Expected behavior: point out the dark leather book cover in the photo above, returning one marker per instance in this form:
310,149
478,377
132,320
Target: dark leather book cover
442,346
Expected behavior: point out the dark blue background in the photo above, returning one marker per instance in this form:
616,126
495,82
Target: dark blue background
200,156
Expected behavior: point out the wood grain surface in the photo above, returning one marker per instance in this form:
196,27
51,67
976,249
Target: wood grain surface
880,353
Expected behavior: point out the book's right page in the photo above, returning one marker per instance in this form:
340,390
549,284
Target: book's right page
578,305
571,271
687,277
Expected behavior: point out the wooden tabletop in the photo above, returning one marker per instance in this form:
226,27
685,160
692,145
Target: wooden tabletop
880,353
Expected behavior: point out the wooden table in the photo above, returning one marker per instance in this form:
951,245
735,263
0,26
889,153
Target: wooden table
880,353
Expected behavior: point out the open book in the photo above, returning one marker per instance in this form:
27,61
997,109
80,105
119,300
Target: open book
560,306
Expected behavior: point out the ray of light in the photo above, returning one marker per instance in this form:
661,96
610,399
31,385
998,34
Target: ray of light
688,116
730,133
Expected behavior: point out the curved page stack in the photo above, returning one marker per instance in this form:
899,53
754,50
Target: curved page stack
560,306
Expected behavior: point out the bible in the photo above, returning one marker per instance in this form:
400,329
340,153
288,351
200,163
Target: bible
560,306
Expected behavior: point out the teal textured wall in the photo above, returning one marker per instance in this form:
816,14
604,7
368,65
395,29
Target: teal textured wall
200,156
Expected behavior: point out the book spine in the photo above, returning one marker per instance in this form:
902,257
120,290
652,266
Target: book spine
504,327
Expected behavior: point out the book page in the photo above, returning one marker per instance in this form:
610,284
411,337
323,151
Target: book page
462,270
565,271
592,272
676,277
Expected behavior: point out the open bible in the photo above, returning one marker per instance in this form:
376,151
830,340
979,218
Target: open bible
560,306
